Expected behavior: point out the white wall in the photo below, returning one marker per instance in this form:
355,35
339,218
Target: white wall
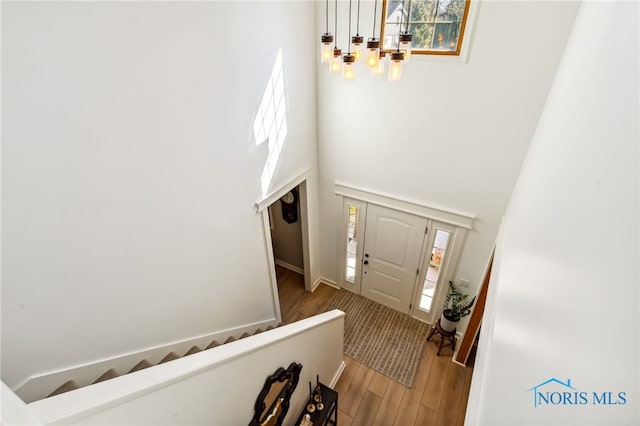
449,134
563,298
130,171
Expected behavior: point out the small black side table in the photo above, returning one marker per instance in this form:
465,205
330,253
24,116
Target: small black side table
323,417
446,337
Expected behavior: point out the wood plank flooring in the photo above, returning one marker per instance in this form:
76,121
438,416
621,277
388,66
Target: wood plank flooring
439,393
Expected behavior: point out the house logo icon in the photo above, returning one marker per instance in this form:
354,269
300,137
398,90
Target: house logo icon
540,396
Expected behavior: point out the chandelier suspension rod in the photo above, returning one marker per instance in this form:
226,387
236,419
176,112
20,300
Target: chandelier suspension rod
335,21
349,47
406,28
326,15
358,21
375,14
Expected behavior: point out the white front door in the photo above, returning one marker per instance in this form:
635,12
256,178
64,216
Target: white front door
392,246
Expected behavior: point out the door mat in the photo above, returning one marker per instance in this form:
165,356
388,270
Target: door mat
382,338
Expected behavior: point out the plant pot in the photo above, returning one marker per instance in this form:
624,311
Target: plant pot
448,322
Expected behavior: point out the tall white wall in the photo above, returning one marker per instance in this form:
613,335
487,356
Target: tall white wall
563,298
449,134
130,171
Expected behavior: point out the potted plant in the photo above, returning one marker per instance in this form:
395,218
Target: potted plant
456,306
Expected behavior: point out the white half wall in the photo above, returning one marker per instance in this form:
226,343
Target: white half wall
563,302
130,171
450,133
214,387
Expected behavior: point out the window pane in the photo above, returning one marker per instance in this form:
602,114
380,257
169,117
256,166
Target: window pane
391,32
352,242
423,10
435,24
422,36
450,11
446,36
433,271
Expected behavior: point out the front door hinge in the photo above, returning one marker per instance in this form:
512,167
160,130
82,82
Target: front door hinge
426,229
418,271
410,306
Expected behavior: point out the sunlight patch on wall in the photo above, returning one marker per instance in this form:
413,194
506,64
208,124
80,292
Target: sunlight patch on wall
271,122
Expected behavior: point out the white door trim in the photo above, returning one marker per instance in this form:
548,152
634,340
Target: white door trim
274,195
461,220
262,208
414,207
271,260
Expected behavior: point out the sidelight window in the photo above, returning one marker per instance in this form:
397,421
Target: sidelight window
436,257
352,243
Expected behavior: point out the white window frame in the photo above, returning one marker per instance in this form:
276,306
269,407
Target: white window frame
447,269
436,56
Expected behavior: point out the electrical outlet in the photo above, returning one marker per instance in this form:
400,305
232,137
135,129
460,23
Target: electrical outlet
464,283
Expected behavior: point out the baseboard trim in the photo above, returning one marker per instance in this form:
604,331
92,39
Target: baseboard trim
336,377
289,266
323,280
39,386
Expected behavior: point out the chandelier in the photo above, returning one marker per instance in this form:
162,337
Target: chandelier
374,57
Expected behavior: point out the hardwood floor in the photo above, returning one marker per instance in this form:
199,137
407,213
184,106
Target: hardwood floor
439,393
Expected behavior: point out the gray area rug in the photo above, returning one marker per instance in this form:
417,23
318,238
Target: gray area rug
382,338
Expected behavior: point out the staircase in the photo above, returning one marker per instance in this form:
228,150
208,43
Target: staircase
112,373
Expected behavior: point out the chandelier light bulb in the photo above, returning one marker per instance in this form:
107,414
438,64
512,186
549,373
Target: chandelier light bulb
373,53
348,72
356,47
326,52
335,65
379,69
395,66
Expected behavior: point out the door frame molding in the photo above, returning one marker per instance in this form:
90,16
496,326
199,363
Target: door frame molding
262,205
417,208
473,327
463,221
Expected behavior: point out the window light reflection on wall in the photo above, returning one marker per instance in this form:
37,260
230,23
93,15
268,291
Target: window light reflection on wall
270,124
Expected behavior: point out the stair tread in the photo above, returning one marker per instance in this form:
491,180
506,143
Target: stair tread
109,374
169,357
194,349
65,387
213,344
140,366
